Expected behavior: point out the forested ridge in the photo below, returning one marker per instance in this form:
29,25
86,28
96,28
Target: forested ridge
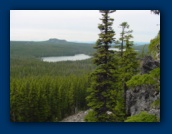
49,92
32,49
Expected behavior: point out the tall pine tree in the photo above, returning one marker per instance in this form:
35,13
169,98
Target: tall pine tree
128,64
123,34
102,89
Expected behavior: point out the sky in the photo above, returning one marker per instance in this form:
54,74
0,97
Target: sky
78,25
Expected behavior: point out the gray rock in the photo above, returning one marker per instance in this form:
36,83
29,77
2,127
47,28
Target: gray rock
78,117
141,98
148,64
155,112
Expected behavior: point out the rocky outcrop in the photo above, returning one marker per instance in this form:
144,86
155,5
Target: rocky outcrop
79,117
142,97
148,64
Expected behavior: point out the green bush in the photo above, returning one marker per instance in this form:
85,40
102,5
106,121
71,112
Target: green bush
153,50
90,117
156,104
152,78
142,117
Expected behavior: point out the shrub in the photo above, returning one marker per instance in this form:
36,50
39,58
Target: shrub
142,117
156,103
90,117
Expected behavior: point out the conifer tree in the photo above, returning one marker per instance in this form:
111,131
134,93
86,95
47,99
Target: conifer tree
102,89
124,33
128,65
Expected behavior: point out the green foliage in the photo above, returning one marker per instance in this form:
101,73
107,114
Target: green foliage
102,92
152,78
142,117
144,51
156,103
127,67
90,117
46,98
154,46
125,36
35,67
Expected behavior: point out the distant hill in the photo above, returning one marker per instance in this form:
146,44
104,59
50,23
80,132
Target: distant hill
55,40
51,41
51,47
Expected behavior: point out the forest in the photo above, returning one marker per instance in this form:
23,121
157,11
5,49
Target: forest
49,92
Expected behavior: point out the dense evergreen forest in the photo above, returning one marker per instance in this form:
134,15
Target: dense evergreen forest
43,91
48,92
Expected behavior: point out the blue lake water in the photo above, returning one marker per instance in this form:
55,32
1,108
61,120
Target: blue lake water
72,58
66,58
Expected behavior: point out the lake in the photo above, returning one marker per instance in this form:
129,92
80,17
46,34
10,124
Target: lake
66,58
72,58
116,49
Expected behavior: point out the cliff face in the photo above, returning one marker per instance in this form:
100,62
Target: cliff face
141,98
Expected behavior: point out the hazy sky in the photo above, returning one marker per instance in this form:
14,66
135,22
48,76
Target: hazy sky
78,25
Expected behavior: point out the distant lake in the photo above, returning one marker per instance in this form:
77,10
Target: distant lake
66,58
116,49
